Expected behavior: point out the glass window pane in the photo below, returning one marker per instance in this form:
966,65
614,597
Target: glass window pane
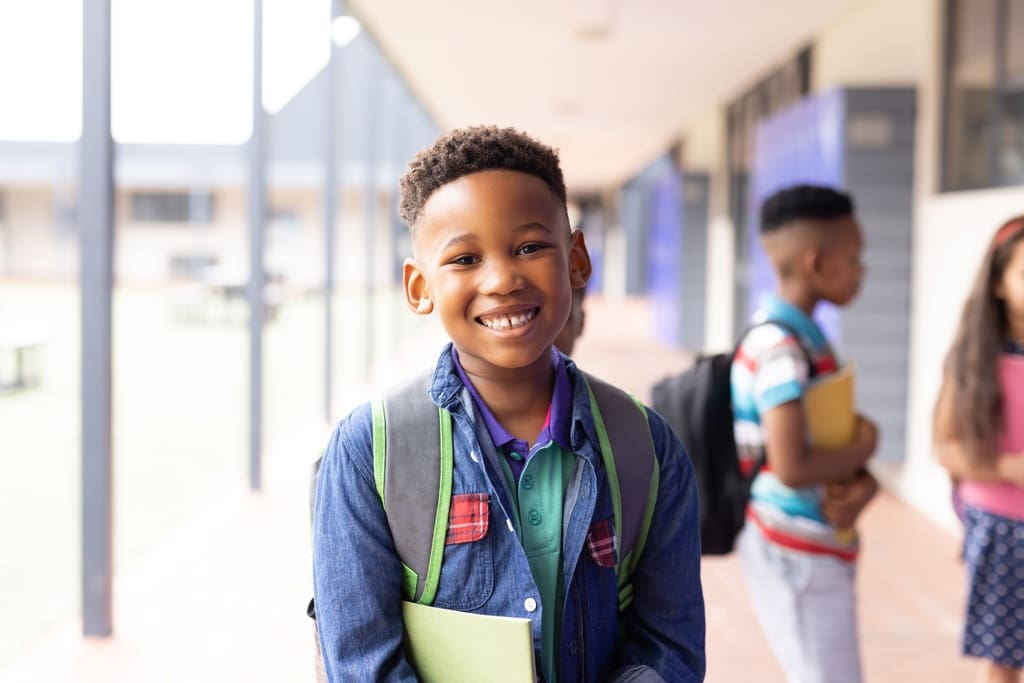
1011,147
971,86
1015,41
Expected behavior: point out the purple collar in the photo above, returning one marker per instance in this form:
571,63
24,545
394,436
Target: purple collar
556,427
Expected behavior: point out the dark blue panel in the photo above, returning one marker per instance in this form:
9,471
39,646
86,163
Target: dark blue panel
665,255
801,144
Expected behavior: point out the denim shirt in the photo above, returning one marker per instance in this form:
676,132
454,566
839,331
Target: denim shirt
357,575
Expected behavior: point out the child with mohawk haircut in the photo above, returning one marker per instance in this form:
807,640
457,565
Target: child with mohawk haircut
798,548
536,503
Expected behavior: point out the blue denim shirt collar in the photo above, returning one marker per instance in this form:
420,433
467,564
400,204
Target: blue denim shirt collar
559,413
575,433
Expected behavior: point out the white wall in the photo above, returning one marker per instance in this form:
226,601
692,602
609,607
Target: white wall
874,43
950,235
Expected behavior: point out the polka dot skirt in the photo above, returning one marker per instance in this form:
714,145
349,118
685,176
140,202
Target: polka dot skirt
994,552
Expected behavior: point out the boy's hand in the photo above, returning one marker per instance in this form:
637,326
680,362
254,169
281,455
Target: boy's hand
844,502
866,438
1010,468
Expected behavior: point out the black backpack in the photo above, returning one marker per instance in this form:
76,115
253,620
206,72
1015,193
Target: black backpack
697,404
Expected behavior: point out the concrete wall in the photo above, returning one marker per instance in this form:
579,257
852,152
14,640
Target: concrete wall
37,235
705,154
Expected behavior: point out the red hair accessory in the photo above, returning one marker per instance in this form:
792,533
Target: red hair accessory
1008,230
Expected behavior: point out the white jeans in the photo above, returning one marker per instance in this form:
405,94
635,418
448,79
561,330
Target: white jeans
806,605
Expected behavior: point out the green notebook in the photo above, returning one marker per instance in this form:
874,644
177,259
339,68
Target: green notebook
451,647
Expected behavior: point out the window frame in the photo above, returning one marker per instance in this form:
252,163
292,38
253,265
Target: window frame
948,173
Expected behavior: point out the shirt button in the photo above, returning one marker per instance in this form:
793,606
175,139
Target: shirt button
585,491
534,517
508,522
530,605
473,456
572,647
527,481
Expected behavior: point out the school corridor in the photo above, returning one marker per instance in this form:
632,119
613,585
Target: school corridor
223,598
201,259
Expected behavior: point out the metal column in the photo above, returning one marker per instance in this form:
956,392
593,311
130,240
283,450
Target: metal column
370,203
257,275
330,189
96,249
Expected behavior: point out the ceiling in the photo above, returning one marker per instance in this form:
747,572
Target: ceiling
610,83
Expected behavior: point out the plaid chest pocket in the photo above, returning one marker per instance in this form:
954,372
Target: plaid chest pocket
467,571
602,544
468,518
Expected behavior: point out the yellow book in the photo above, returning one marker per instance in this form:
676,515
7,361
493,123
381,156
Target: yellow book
831,416
449,646
830,411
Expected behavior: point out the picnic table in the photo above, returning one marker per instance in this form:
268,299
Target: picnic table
20,340
221,293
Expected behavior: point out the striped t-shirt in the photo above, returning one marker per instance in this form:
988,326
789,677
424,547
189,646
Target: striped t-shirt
771,369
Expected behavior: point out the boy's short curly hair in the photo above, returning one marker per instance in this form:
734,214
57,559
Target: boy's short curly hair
802,202
468,150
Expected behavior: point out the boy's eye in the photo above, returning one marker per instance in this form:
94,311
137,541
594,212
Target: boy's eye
465,260
531,248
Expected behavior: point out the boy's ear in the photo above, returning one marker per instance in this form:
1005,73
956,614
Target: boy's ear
812,261
579,260
417,294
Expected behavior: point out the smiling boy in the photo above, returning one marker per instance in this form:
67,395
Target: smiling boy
495,259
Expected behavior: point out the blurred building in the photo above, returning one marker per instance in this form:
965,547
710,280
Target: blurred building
917,107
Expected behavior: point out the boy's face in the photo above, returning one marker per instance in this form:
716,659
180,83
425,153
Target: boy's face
494,257
838,268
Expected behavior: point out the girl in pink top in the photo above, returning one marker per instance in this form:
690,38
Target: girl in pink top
979,438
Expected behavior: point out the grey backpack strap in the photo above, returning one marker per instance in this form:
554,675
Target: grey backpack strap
629,436
417,481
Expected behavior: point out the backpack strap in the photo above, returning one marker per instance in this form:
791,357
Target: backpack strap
414,477
788,329
811,372
412,469
627,451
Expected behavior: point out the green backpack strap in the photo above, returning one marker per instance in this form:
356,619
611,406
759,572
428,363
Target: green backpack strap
412,469
631,466
412,455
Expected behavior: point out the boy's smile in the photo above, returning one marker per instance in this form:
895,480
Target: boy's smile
494,256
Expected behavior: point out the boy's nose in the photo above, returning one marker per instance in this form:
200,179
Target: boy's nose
500,277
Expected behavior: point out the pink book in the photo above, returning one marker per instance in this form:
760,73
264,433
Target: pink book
1011,380
1004,499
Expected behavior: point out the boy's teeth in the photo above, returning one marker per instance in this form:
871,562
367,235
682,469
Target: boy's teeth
507,322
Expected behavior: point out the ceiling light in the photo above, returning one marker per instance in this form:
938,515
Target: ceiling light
592,20
344,29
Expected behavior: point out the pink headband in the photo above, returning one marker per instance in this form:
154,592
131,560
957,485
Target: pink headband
1009,229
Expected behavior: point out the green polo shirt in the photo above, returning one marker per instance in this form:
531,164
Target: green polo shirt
537,477
539,499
